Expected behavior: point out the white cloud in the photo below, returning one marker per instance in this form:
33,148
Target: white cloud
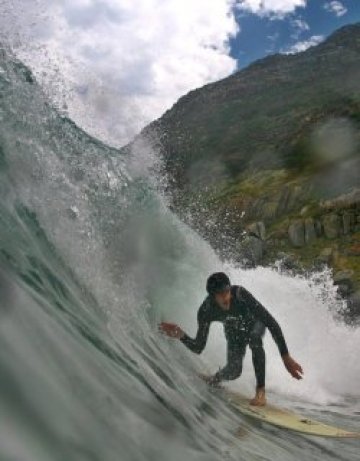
125,61
300,26
335,7
304,45
272,8
272,38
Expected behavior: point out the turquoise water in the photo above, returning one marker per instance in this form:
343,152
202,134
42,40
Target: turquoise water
91,260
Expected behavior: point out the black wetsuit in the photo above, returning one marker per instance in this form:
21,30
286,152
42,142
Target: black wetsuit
244,324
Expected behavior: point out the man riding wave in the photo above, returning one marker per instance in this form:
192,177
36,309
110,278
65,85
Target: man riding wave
245,320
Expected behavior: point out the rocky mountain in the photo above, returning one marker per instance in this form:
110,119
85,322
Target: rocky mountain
266,163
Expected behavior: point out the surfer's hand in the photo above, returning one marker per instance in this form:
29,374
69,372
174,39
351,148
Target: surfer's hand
292,367
171,330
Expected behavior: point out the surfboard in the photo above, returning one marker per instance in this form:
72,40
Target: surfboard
285,419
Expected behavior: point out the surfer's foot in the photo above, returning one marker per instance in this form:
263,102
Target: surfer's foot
260,399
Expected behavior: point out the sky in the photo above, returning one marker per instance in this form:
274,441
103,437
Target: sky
115,65
306,25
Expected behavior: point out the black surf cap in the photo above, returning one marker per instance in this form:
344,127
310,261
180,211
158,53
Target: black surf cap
217,283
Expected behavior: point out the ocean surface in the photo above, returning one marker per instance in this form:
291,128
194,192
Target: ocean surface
91,259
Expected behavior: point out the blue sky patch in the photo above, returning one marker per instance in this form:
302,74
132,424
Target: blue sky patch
260,36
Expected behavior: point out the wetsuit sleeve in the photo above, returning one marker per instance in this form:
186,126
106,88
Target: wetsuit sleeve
198,343
262,314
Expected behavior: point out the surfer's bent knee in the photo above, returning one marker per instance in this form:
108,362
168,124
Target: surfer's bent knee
234,371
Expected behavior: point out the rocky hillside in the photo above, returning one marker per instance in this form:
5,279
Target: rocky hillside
266,163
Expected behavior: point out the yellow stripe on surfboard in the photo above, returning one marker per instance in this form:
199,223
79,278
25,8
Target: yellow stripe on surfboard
284,418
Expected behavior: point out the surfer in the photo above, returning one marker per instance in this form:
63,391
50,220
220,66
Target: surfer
245,320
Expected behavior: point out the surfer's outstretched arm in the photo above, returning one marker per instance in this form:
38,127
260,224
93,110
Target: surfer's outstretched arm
198,343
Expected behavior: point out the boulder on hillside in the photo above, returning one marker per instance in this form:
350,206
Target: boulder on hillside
251,250
310,232
296,233
354,306
288,261
318,228
344,282
304,210
257,229
332,226
348,222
